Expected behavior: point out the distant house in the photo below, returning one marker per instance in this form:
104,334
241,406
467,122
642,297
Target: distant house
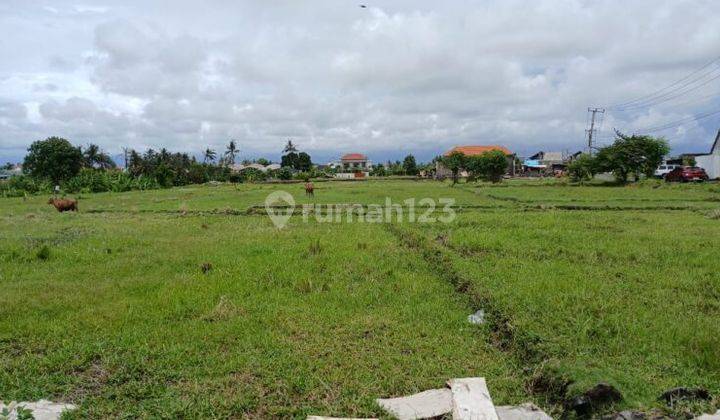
8,173
547,162
443,172
354,165
354,161
709,161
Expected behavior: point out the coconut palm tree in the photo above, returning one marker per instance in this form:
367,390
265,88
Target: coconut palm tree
93,157
231,152
209,155
290,147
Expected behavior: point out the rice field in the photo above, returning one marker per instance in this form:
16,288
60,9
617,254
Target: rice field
189,302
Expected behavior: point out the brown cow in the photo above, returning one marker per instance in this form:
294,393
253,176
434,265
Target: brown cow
64,204
309,189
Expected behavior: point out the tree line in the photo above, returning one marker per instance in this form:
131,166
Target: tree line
55,161
408,167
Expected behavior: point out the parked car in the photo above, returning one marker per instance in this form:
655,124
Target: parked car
664,169
686,174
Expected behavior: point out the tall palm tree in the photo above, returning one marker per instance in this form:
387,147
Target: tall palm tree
209,155
231,152
290,147
164,155
93,157
90,155
104,161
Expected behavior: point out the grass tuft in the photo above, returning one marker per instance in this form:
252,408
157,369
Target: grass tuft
308,286
223,311
206,267
43,253
315,248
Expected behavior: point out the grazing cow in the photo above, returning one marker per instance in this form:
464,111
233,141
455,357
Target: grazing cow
309,189
64,204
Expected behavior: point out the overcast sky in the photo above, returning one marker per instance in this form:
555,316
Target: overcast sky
395,77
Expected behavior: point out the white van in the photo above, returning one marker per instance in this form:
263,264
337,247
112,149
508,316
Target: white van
664,169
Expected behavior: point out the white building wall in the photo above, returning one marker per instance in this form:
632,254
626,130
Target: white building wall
711,164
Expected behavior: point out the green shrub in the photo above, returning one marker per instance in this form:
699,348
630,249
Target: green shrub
21,185
583,168
284,173
488,166
250,175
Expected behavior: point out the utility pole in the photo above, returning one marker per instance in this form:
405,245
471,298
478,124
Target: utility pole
592,130
125,155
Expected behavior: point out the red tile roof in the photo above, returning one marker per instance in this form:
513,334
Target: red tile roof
477,150
354,156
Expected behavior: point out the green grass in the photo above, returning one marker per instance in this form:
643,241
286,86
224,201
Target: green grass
110,309
629,298
241,197
121,319
651,194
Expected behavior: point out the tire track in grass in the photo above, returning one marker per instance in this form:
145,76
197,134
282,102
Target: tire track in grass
525,348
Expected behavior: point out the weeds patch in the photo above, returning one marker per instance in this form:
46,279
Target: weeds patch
43,253
206,267
310,286
223,311
63,236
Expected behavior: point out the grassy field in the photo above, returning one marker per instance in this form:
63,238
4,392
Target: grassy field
110,309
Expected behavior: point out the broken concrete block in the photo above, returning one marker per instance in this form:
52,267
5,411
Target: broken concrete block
335,418
715,416
41,410
525,411
471,399
426,404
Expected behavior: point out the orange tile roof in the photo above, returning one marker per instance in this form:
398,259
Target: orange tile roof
477,150
354,156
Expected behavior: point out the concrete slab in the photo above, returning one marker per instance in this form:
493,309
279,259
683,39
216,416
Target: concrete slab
471,399
525,411
41,410
426,404
715,416
336,418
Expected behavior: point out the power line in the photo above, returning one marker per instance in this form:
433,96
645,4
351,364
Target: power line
680,122
670,95
664,90
699,99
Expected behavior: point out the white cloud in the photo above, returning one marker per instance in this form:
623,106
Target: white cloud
397,77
